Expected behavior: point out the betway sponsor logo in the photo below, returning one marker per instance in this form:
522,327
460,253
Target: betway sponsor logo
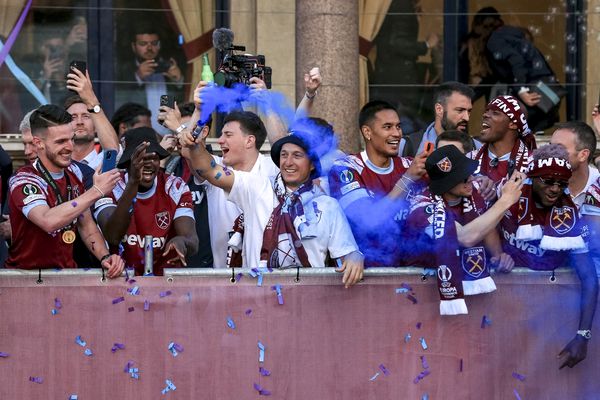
132,240
522,245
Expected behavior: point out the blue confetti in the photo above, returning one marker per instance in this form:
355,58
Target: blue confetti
260,280
261,391
175,349
57,303
36,379
165,294
253,272
3,355
261,352
401,290
170,386
485,321
425,397
230,323
517,394
80,341
518,376
384,369
277,288
54,311
374,376
88,352
146,305
423,343
264,372
117,346
135,291
424,362
73,397
249,311
407,338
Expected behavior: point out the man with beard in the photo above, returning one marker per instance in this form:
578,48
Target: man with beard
146,201
506,137
544,231
452,106
88,119
48,202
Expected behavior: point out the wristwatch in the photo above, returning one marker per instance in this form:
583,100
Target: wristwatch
586,333
96,109
180,128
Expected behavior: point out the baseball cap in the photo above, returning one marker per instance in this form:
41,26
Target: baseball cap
447,167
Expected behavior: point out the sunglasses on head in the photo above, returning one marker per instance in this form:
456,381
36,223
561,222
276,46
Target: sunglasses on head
552,182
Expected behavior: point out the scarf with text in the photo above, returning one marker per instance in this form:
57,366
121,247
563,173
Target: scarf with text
288,225
556,227
449,272
518,160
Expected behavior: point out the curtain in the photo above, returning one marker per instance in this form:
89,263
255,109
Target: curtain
371,14
9,13
195,20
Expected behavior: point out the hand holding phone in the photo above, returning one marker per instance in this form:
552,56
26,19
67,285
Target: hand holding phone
167,100
110,160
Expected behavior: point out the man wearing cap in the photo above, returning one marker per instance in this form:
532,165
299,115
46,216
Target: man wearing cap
451,197
48,202
506,137
289,222
146,201
544,231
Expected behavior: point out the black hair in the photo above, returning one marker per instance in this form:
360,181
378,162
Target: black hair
250,123
47,116
368,111
456,136
128,114
585,137
187,109
144,28
446,89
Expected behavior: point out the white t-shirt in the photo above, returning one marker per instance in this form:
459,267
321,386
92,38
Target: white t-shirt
94,159
254,194
222,213
593,175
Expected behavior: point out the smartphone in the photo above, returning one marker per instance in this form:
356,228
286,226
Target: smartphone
163,65
80,65
110,160
55,52
429,147
166,100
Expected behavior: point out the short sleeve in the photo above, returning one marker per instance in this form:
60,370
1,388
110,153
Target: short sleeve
346,184
27,196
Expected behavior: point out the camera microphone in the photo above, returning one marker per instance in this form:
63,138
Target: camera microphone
222,39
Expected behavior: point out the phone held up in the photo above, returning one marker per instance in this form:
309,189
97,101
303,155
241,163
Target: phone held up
110,160
79,65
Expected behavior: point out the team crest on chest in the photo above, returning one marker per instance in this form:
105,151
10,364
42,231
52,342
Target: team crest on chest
562,219
445,165
163,219
473,261
523,208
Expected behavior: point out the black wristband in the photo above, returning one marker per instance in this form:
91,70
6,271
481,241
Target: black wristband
105,257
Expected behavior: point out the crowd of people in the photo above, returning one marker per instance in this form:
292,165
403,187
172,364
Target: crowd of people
436,198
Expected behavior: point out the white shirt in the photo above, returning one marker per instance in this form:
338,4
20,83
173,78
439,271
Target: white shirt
593,175
254,194
222,213
94,159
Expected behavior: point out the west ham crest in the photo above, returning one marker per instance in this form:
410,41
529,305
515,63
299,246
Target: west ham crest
473,261
445,165
163,219
523,208
562,219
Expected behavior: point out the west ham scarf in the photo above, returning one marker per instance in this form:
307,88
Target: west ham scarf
518,160
476,271
288,226
449,272
555,228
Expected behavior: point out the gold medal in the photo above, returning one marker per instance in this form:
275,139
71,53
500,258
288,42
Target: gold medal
68,236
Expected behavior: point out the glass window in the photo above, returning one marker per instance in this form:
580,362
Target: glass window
53,34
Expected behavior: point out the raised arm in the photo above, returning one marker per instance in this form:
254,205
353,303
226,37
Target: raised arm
202,161
82,84
312,83
473,232
114,221
52,219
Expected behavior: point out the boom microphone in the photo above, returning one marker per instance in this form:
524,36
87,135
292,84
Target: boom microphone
222,39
